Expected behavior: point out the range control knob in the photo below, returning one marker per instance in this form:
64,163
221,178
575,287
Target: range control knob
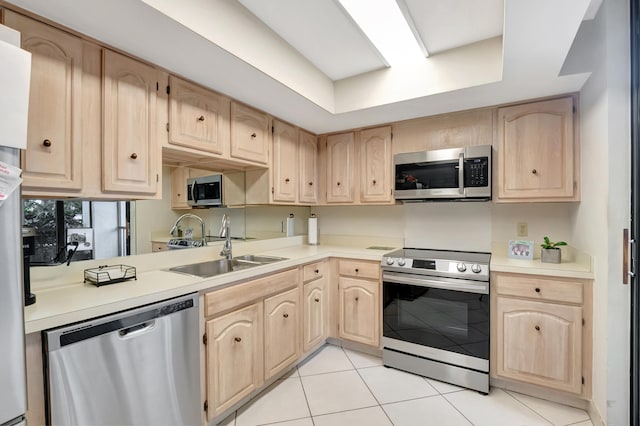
461,267
476,269
402,262
390,261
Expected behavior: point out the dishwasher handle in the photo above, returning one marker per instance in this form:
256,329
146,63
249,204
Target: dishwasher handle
137,329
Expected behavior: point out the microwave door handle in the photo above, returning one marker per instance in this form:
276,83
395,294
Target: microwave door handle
194,193
461,173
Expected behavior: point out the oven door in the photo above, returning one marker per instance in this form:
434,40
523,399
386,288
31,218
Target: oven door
442,319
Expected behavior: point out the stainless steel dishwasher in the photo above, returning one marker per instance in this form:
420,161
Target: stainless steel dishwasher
138,367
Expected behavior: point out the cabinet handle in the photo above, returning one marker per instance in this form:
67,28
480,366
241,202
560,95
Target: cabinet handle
134,156
537,328
201,118
46,143
253,135
537,290
286,315
238,339
287,180
534,171
317,299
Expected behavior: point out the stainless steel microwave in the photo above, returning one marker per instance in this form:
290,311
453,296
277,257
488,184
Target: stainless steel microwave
444,174
205,191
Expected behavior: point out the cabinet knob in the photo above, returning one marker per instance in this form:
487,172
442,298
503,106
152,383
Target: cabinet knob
537,290
338,183
357,298
534,171
537,328
253,135
316,271
286,315
201,118
134,156
46,143
357,270
287,180
310,183
238,339
374,182
317,299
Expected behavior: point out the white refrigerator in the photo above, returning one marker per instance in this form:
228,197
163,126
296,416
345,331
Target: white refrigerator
15,66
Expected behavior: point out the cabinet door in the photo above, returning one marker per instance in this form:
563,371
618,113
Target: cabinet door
375,166
179,177
234,357
53,158
285,164
250,135
540,343
131,156
359,310
282,344
198,118
536,152
308,147
340,173
316,312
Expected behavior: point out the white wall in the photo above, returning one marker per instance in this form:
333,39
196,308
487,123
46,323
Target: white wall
604,210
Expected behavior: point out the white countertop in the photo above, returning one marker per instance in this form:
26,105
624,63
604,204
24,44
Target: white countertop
63,297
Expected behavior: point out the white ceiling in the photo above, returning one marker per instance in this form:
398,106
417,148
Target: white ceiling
307,63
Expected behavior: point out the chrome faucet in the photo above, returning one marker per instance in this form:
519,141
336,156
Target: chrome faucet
193,216
225,232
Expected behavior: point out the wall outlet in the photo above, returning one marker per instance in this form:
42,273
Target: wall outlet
523,229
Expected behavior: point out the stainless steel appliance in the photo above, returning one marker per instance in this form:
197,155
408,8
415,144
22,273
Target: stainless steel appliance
445,174
14,86
204,191
138,367
436,315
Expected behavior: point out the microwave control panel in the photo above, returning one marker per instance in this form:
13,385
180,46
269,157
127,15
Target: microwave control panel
476,172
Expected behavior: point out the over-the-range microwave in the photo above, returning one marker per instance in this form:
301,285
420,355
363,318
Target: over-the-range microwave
205,191
444,174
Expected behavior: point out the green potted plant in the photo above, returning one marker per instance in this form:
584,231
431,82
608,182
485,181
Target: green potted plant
550,252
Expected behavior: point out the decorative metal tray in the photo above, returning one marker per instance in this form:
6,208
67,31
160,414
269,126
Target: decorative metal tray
103,275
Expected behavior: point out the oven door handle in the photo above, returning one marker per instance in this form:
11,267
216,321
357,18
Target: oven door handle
476,287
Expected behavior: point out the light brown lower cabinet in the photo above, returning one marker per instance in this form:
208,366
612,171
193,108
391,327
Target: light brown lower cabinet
315,302
234,357
542,331
282,342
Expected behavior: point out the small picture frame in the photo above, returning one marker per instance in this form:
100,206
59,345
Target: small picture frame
520,249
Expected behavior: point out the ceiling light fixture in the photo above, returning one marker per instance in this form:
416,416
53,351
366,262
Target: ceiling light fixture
384,24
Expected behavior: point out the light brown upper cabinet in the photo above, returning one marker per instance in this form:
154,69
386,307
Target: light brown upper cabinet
250,134
198,118
130,146
375,165
340,168
285,162
53,158
538,158
308,147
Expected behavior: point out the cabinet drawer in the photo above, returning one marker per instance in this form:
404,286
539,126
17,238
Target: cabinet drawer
231,297
547,289
359,268
313,271
155,247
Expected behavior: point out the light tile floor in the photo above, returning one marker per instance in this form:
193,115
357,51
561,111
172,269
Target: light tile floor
339,387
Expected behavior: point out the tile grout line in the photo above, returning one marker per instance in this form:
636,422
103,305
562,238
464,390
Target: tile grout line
529,408
456,408
305,397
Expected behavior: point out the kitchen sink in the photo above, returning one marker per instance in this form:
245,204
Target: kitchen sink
221,266
259,259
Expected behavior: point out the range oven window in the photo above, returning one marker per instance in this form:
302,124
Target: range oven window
455,321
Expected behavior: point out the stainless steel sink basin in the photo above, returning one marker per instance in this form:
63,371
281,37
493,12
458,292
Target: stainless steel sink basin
259,259
222,266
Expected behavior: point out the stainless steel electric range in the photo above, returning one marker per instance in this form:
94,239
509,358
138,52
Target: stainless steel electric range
436,315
